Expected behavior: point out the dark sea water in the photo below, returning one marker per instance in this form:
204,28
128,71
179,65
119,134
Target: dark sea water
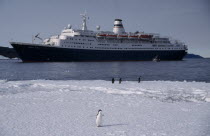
188,69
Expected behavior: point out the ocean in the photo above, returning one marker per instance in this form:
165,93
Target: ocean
188,69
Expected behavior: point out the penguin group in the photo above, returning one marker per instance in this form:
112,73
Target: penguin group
120,80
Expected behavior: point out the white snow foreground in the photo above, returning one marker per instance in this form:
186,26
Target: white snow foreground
149,108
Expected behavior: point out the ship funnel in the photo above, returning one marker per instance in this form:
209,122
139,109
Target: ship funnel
118,27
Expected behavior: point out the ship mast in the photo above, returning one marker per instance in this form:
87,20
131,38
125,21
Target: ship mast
84,18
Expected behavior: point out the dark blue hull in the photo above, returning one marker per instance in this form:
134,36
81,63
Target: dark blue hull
36,53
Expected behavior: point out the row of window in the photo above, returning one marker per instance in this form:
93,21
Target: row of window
114,48
123,40
78,43
163,45
120,48
136,45
79,39
104,44
161,42
76,46
132,40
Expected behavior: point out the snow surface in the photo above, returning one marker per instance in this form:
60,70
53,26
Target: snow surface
64,108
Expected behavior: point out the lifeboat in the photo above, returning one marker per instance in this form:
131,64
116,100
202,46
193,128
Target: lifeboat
101,35
146,36
111,36
122,36
133,36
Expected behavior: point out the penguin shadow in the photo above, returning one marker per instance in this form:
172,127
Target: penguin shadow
113,125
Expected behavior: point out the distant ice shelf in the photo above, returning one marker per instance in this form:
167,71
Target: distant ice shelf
2,57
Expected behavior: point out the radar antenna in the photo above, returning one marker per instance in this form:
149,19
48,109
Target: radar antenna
84,18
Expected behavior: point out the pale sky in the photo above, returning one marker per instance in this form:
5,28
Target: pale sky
184,20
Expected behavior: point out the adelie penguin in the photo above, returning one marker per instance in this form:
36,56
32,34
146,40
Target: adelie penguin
99,118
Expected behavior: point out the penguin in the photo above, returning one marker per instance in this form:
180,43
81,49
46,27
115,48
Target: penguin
112,80
120,80
99,118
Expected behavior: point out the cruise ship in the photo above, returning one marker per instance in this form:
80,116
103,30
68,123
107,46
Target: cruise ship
87,45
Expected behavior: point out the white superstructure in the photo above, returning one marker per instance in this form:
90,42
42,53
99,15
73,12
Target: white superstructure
107,40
